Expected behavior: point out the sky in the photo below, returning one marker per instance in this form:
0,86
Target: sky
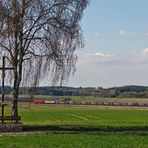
116,45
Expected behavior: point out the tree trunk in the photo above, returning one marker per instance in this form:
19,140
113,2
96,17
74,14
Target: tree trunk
17,80
15,98
15,106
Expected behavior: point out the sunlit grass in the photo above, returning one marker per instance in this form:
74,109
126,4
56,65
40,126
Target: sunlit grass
57,115
77,119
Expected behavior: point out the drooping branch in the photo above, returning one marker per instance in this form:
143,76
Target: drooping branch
34,29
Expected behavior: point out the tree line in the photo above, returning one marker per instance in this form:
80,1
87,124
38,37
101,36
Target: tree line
124,91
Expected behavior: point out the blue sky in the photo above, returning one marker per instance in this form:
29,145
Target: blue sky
116,44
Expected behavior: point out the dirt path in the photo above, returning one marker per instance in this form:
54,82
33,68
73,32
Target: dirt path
126,132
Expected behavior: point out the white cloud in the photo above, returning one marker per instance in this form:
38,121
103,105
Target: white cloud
102,54
109,59
144,53
145,34
97,34
100,69
122,32
126,33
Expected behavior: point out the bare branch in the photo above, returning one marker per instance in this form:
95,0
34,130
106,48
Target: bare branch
40,38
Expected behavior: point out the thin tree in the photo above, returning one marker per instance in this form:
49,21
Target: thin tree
39,37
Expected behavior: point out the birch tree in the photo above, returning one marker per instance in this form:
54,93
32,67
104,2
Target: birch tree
39,37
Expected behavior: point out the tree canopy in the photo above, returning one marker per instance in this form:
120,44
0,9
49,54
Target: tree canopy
39,37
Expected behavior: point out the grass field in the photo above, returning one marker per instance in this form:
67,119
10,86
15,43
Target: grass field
83,116
74,141
83,126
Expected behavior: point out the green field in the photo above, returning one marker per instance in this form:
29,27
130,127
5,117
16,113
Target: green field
63,126
80,116
74,141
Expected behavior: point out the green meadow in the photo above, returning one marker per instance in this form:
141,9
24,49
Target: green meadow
83,116
74,141
82,127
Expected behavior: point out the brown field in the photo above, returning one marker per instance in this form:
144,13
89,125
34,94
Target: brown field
91,106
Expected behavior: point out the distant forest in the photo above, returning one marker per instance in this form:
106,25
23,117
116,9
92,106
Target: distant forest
125,91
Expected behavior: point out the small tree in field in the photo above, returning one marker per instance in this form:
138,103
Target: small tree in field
39,38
